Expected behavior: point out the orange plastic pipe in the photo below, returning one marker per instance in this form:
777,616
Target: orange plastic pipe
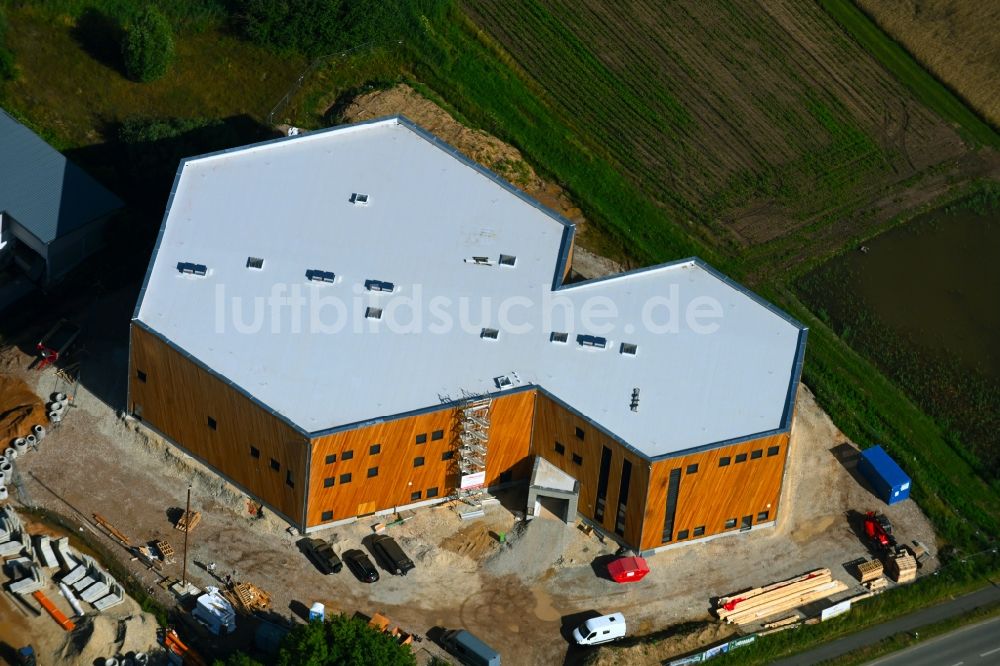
56,614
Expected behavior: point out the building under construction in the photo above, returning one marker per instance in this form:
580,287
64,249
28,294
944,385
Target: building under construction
360,319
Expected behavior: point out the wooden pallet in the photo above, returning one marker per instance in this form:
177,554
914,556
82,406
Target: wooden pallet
188,521
869,571
903,568
106,524
248,597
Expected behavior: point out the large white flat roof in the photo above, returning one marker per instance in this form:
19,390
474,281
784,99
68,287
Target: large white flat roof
712,363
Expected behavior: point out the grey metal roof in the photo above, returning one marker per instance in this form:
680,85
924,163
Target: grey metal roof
290,203
42,190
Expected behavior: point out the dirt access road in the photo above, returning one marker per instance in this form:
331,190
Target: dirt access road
521,597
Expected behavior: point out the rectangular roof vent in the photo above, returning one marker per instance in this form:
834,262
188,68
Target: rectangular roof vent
479,261
489,334
629,348
255,262
507,381
192,269
592,341
507,260
320,276
558,336
379,285
373,313
359,199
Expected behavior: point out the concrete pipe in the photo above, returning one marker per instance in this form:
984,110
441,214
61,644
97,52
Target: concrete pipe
3,460
20,446
58,397
3,493
6,467
38,431
57,406
30,441
141,659
10,453
55,417
110,661
3,478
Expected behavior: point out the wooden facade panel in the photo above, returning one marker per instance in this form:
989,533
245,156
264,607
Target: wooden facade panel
714,494
555,424
177,397
399,479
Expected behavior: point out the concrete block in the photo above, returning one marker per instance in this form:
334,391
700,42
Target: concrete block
75,574
68,558
28,584
94,592
115,596
43,549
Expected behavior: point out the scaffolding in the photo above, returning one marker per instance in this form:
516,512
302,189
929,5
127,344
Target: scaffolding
473,445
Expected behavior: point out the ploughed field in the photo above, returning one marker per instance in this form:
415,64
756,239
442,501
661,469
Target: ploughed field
753,120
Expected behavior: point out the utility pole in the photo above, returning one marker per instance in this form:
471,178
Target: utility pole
187,517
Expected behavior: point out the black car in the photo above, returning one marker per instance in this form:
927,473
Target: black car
362,567
391,556
322,555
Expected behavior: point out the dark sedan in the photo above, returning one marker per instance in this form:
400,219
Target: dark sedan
362,567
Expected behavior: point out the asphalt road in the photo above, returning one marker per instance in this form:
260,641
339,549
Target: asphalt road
973,645
912,622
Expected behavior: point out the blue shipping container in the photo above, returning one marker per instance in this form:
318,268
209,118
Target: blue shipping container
890,482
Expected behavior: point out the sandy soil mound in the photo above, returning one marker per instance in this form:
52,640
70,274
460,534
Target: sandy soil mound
20,409
103,636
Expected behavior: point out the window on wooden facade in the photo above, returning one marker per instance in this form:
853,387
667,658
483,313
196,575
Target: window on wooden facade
212,424
328,482
579,433
418,461
772,451
756,454
447,455
331,458
683,534
289,481
731,523
254,452
345,478
436,435
141,376
374,449
372,472
347,455
422,438
762,516
414,496
560,449
741,457
577,459
275,465
432,492
723,461
692,469
699,531
327,515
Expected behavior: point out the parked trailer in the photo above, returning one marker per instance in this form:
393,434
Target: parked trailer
889,480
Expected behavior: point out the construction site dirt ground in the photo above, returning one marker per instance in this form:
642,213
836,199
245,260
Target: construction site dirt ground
523,597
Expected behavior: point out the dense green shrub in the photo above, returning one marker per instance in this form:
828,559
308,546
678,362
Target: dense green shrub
342,640
7,71
317,27
148,46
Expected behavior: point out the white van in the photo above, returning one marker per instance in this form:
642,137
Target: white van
600,630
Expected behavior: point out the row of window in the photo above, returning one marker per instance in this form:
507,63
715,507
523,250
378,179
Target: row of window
561,449
376,449
415,496
275,465
754,455
730,524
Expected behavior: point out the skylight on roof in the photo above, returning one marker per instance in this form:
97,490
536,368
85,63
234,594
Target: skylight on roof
373,313
255,262
507,260
379,285
359,199
558,336
320,276
629,348
192,269
592,341
489,334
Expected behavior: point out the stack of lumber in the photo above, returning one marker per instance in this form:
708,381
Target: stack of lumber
188,521
781,597
869,571
877,585
248,597
903,567
791,619
106,524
